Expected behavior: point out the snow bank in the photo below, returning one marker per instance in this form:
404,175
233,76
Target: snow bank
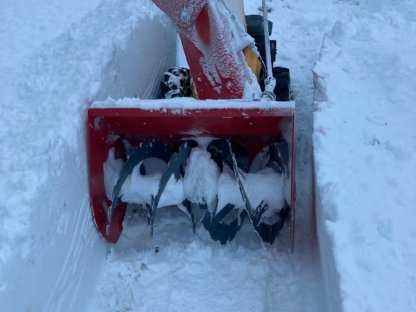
57,58
364,148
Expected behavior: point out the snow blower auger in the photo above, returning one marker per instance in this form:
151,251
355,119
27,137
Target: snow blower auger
228,155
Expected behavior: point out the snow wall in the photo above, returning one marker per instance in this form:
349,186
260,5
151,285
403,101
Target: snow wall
364,146
323,210
329,271
119,49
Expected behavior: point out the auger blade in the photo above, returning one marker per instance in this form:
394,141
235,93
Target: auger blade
176,162
251,124
267,232
151,148
219,230
214,221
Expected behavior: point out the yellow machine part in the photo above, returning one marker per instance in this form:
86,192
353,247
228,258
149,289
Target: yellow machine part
252,62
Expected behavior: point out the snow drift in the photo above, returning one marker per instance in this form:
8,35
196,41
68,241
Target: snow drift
47,239
364,147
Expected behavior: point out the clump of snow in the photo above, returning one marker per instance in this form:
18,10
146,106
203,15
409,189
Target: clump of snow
266,186
228,191
201,178
140,189
173,193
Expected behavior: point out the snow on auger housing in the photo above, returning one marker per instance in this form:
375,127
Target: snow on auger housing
229,152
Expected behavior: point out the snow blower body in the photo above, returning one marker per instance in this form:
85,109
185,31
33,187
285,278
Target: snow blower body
229,153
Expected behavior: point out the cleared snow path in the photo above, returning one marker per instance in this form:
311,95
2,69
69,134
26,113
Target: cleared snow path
180,271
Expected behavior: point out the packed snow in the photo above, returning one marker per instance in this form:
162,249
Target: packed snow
202,184
353,71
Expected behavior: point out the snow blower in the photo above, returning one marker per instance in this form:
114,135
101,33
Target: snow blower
228,151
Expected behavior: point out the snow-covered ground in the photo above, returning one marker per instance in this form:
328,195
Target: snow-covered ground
57,58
